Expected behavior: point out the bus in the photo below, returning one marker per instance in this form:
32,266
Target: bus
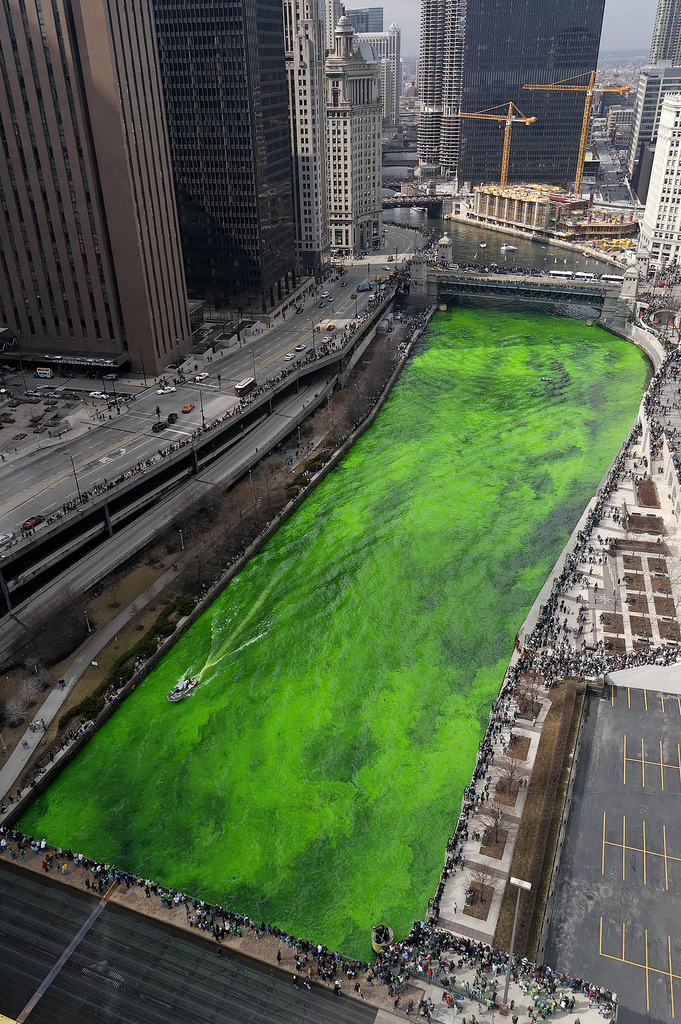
613,278
581,276
43,371
565,275
244,387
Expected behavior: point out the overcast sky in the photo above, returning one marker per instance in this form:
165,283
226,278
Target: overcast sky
628,24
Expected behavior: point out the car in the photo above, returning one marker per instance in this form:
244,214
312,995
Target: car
300,348
389,269
390,259
97,394
5,539
353,295
172,418
188,407
31,523
331,327
290,355
365,287
167,389
326,295
158,427
201,376
109,376
321,305
344,284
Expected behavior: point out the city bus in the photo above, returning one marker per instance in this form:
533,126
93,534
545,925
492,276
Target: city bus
43,371
244,387
613,278
581,276
565,275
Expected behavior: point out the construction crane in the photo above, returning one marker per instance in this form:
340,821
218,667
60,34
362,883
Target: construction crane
564,86
511,117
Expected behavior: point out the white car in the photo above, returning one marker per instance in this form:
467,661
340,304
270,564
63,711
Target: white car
300,348
326,295
290,355
201,376
97,394
166,390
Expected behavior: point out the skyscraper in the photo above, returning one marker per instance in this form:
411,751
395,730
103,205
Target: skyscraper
384,49
366,19
90,263
305,56
226,93
661,226
477,56
353,111
332,12
654,83
666,41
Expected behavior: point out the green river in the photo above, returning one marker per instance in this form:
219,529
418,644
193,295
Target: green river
314,776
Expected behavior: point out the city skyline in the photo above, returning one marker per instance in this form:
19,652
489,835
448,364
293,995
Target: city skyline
627,25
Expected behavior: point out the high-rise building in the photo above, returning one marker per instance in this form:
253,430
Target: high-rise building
661,225
666,41
383,48
654,83
224,79
305,56
332,12
476,56
90,262
353,110
366,19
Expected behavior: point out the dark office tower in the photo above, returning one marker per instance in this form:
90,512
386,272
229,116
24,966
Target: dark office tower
366,19
666,41
226,93
90,262
475,56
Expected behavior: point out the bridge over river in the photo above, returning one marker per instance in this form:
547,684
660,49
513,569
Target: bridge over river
445,284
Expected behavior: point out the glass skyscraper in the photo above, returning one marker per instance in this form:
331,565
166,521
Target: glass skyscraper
666,42
366,19
477,56
226,93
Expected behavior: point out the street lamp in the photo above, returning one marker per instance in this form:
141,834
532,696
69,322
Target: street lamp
203,418
521,886
181,540
73,467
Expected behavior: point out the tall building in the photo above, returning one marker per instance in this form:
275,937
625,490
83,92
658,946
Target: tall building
654,83
383,48
666,41
226,92
476,56
353,111
661,225
305,56
333,9
366,19
90,263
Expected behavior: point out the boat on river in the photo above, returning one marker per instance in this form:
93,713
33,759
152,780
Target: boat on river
483,245
182,689
508,248
419,209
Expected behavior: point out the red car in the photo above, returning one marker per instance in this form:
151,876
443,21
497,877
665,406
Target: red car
33,521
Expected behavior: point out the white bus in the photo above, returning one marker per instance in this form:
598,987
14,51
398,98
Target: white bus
613,278
43,371
584,277
565,275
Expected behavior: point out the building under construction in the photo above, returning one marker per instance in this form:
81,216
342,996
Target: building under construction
547,213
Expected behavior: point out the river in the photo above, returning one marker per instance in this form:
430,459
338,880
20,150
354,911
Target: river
314,776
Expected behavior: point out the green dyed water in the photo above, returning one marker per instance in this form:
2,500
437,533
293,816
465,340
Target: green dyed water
314,776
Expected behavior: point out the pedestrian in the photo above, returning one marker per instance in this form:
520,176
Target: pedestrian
295,981
279,957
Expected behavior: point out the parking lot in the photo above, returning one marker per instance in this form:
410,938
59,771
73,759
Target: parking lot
616,913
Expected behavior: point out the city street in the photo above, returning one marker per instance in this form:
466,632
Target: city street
38,481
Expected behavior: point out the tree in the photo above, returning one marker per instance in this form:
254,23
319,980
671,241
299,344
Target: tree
528,691
480,884
511,774
498,824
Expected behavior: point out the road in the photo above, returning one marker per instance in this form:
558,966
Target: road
129,968
40,482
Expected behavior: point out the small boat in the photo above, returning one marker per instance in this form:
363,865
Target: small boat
508,248
548,378
419,209
483,245
182,689
382,936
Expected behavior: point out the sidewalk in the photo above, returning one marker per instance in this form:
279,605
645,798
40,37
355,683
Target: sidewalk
16,764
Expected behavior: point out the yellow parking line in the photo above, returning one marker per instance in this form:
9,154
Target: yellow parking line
664,846
612,696
643,766
661,771
645,698
671,976
603,848
647,986
645,873
662,699
628,697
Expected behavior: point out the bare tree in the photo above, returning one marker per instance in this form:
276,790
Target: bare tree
498,824
511,773
479,884
14,710
528,692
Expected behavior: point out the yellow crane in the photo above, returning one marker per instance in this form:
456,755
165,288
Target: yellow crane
511,117
564,86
